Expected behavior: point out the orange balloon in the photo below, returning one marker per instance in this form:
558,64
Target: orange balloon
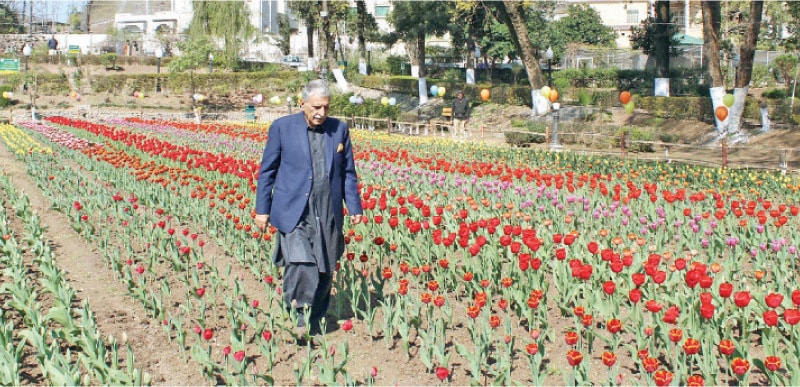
485,93
553,95
625,97
721,112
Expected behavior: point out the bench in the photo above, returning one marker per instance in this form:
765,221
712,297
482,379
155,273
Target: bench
444,122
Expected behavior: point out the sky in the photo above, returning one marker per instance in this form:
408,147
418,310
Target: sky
55,9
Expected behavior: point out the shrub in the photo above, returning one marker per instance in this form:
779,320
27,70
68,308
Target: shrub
775,93
632,137
523,138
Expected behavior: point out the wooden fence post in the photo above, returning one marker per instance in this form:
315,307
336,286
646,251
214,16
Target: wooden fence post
622,143
724,153
483,130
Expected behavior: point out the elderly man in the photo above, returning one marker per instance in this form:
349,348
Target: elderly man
307,174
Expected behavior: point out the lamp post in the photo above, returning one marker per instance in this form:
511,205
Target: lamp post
369,58
159,55
549,55
555,145
26,51
210,62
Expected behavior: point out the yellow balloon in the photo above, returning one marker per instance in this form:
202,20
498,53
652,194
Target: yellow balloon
546,91
385,101
442,91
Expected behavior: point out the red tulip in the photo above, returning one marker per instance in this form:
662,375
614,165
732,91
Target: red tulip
347,325
532,348
725,289
571,337
266,335
707,310
695,381
200,292
208,334
742,299
238,356
609,358
662,378
691,346
438,301
772,363
740,366
773,300
574,357
609,287
614,326
650,364
770,318
226,351
653,306
635,295
726,347
442,373
791,316
675,335
796,297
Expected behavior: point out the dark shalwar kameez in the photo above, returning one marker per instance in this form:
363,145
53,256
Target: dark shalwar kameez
310,251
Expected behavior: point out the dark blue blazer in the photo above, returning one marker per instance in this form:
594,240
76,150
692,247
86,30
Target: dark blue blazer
284,179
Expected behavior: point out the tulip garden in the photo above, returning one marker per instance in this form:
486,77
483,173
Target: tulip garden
475,264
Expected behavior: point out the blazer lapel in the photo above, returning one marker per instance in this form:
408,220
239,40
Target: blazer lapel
330,143
301,124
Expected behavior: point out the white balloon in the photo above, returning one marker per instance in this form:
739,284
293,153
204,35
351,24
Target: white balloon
392,101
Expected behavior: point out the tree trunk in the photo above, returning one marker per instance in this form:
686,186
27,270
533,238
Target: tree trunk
310,39
361,8
745,70
711,46
420,48
512,15
661,51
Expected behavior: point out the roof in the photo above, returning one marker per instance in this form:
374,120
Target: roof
686,40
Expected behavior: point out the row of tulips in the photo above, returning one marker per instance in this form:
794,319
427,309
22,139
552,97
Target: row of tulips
55,333
505,242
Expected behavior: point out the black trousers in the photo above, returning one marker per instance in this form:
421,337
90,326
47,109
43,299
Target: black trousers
304,286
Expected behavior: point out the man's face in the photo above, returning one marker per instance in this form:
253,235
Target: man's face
316,109
460,95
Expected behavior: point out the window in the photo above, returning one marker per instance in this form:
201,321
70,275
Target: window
633,16
381,10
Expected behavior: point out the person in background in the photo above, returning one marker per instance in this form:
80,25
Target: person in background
461,113
307,174
52,46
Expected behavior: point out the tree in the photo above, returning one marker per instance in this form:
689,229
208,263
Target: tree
9,23
284,35
584,25
657,39
414,20
226,20
786,65
308,12
712,26
366,27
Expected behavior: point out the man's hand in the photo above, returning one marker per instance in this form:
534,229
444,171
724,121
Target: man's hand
356,219
262,221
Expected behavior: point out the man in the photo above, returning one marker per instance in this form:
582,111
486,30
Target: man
52,46
460,114
307,172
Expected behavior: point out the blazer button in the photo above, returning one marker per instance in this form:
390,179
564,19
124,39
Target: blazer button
310,178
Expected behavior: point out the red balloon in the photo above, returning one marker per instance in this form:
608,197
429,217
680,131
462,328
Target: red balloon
625,97
485,94
721,112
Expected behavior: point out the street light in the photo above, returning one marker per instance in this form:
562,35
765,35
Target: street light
159,55
549,55
210,62
554,144
27,52
369,58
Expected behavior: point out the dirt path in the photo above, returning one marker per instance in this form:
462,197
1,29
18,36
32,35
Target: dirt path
116,313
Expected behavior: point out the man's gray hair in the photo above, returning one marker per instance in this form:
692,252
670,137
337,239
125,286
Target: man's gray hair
318,88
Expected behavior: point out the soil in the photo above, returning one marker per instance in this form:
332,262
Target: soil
118,315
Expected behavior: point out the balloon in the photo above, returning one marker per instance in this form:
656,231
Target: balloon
78,97
353,99
485,94
546,91
392,101
275,99
721,112
553,95
135,94
385,101
359,100
10,94
625,97
5,95
434,90
258,98
201,97
141,95
728,100
629,107
442,90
